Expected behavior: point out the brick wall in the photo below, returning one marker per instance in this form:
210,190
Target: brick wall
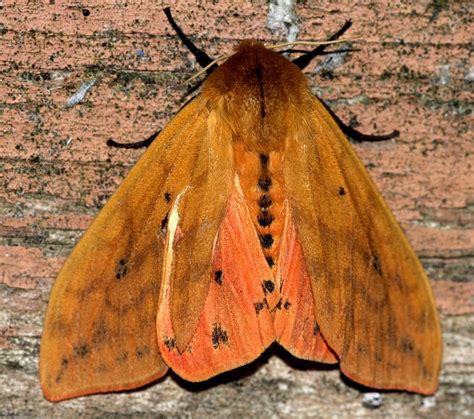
410,70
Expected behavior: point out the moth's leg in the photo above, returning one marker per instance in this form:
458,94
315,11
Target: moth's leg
201,57
139,144
355,135
303,60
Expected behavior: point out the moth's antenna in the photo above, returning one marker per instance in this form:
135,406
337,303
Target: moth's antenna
313,43
205,69
303,60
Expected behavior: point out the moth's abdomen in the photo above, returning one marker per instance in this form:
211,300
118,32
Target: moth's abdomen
261,180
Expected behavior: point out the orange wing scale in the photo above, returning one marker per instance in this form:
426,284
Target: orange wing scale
235,326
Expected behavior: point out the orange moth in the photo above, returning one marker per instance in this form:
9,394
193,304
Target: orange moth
249,220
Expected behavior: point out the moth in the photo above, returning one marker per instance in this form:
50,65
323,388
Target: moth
249,220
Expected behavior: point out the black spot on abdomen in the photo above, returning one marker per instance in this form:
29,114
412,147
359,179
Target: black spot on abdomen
259,307
265,218
265,201
218,277
265,183
268,286
266,240
270,261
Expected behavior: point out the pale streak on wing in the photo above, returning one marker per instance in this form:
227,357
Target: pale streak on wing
171,236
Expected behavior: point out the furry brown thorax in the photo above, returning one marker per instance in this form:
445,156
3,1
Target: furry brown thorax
254,90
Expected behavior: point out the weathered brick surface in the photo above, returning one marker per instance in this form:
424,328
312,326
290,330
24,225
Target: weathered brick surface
412,71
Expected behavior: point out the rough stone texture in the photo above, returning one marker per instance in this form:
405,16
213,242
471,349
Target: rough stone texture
411,71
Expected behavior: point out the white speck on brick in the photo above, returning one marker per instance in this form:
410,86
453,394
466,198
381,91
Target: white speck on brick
444,75
81,93
335,60
470,75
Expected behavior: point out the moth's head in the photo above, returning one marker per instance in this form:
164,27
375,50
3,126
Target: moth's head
253,66
256,87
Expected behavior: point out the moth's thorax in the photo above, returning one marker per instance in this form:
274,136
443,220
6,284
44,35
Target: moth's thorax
261,180
257,91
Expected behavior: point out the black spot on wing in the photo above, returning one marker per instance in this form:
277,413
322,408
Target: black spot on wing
141,352
264,160
362,348
287,305
219,335
167,196
99,332
121,269
170,343
101,368
316,329
342,191
407,346
64,366
377,264
123,357
81,351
